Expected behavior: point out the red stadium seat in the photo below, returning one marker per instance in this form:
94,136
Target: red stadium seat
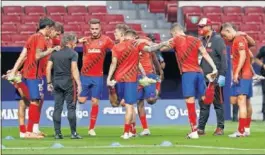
191,9
57,18
156,6
252,19
26,29
89,17
34,10
5,38
140,1
97,9
77,10
250,27
136,27
230,10
261,37
157,37
212,10
253,10
74,19
19,38
111,18
9,29
262,29
55,10
171,11
110,34
11,19
215,18
108,27
13,10
216,26
30,19
72,28
191,21
254,35
231,18
85,27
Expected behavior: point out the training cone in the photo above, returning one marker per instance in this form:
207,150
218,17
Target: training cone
115,144
9,138
57,146
3,147
166,144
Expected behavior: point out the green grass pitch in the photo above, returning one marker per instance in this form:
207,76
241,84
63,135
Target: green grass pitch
208,144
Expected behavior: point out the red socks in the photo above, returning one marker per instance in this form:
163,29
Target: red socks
127,128
133,129
40,106
241,125
93,116
192,116
33,116
22,128
158,86
144,122
248,121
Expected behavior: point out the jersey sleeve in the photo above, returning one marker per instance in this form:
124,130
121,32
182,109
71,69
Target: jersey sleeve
172,42
74,57
114,51
109,43
141,46
41,43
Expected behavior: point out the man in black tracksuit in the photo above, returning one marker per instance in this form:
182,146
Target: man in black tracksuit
64,83
216,48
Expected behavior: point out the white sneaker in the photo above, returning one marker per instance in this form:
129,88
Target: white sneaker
125,136
145,132
193,135
132,135
22,135
92,132
236,135
247,132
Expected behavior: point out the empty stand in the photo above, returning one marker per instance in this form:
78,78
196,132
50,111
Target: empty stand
26,19
253,10
252,19
230,10
250,27
77,10
9,29
55,10
140,1
111,18
191,9
191,21
72,28
136,27
13,10
27,29
11,19
215,18
156,6
34,10
74,19
212,10
171,11
57,18
232,18
97,9
108,27
19,38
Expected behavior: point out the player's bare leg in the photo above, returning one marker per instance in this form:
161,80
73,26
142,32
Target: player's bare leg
190,102
93,116
248,121
113,97
21,118
241,100
128,119
142,116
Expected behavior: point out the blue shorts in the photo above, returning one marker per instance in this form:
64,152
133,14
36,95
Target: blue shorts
148,91
127,91
95,83
193,84
243,87
35,87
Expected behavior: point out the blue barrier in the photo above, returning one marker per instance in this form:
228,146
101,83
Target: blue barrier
164,112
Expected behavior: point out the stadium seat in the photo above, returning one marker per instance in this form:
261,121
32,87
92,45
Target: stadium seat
8,29
140,1
231,18
110,34
261,37
84,27
212,10
128,14
230,10
253,10
171,11
34,10
55,10
191,21
108,27
30,19
97,9
254,35
136,27
74,19
250,27
262,29
111,18
72,28
216,26
11,19
26,29
57,18
156,6
19,38
191,9
252,19
5,38
13,10
215,18
77,10
157,37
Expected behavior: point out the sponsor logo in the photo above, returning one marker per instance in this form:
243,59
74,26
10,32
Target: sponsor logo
121,111
172,112
93,50
79,113
11,114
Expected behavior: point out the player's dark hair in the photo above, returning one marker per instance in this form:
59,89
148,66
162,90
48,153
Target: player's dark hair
130,32
151,36
226,25
59,27
94,21
44,22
